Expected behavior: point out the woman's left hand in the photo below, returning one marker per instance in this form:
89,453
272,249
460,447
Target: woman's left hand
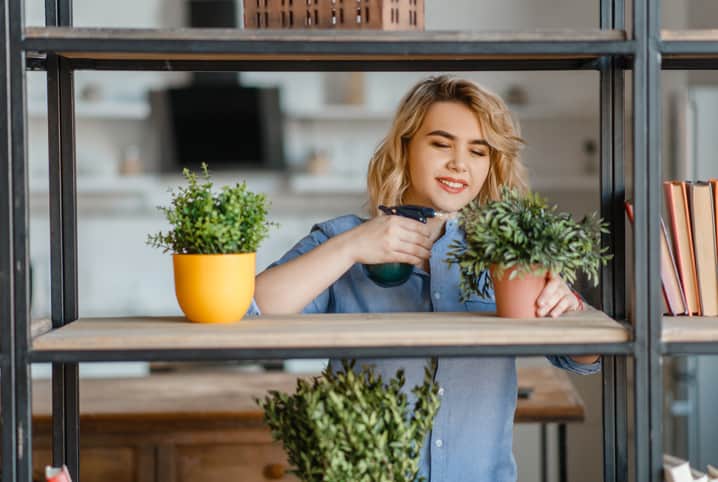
556,298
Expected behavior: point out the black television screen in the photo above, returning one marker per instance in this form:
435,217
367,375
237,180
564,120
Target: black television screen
226,126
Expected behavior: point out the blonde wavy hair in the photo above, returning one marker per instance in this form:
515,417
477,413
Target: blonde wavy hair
388,176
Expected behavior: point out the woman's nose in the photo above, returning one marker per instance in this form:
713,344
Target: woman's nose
457,162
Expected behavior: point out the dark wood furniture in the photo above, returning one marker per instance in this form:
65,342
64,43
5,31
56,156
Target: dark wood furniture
206,427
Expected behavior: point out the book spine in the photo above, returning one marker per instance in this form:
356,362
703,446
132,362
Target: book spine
680,228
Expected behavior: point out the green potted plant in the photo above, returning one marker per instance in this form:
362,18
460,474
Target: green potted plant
520,239
348,426
214,238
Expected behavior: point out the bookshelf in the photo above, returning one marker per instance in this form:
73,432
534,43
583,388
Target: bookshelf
60,49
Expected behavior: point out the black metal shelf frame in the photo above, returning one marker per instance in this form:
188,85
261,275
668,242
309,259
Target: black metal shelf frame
642,54
134,49
690,348
689,55
352,352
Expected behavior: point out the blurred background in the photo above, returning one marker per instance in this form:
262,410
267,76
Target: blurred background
305,139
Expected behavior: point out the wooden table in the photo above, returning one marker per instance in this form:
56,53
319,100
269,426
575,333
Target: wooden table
172,427
553,400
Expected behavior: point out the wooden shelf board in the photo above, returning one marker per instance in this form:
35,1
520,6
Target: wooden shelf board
689,49
327,45
703,35
690,329
333,36
331,331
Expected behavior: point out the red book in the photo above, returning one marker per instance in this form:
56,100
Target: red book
673,297
714,185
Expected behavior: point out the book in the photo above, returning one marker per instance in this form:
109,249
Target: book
57,474
714,186
681,233
701,205
676,469
673,291
674,299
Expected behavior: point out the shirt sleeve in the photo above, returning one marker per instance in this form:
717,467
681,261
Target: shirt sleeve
568,363
317,236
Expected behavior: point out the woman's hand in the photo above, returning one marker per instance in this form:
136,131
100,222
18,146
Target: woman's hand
556,298
391,239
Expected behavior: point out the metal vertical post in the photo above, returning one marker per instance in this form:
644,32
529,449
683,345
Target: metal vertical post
654,177
606,188
7,339
613,278
640,242
19,228
647,182
63,239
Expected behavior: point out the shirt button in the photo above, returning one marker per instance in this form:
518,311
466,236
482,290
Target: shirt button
441,391
437,295
439,443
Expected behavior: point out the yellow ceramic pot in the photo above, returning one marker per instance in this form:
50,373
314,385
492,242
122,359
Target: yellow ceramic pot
214,288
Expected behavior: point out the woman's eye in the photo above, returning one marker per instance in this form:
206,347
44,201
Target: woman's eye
478,153
440,145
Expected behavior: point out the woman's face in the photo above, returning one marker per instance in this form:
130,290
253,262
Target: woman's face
448,158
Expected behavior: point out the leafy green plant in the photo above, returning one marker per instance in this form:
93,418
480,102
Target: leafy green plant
349,426
522,231
204,222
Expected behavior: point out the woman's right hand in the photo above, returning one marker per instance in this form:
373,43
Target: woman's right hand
391,239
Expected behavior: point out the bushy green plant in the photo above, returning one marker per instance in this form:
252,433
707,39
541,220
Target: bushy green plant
522,231
349,426
204,222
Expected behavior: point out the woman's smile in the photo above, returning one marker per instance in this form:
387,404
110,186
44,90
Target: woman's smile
452,185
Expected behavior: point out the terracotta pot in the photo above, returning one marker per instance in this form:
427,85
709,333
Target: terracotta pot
214,288
516,298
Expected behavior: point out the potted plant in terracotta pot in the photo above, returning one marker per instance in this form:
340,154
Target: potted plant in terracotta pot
214,238
519,239
350,426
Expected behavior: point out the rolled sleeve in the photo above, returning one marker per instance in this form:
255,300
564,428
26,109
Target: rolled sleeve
567,363
253,309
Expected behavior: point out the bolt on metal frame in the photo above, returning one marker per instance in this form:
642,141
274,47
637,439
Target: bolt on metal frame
16,355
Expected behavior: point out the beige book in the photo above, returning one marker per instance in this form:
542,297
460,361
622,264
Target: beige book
680,227
700,196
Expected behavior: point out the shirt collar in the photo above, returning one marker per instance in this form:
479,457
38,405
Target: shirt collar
452,225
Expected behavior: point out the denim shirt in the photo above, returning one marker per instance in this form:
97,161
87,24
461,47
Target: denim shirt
471,438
